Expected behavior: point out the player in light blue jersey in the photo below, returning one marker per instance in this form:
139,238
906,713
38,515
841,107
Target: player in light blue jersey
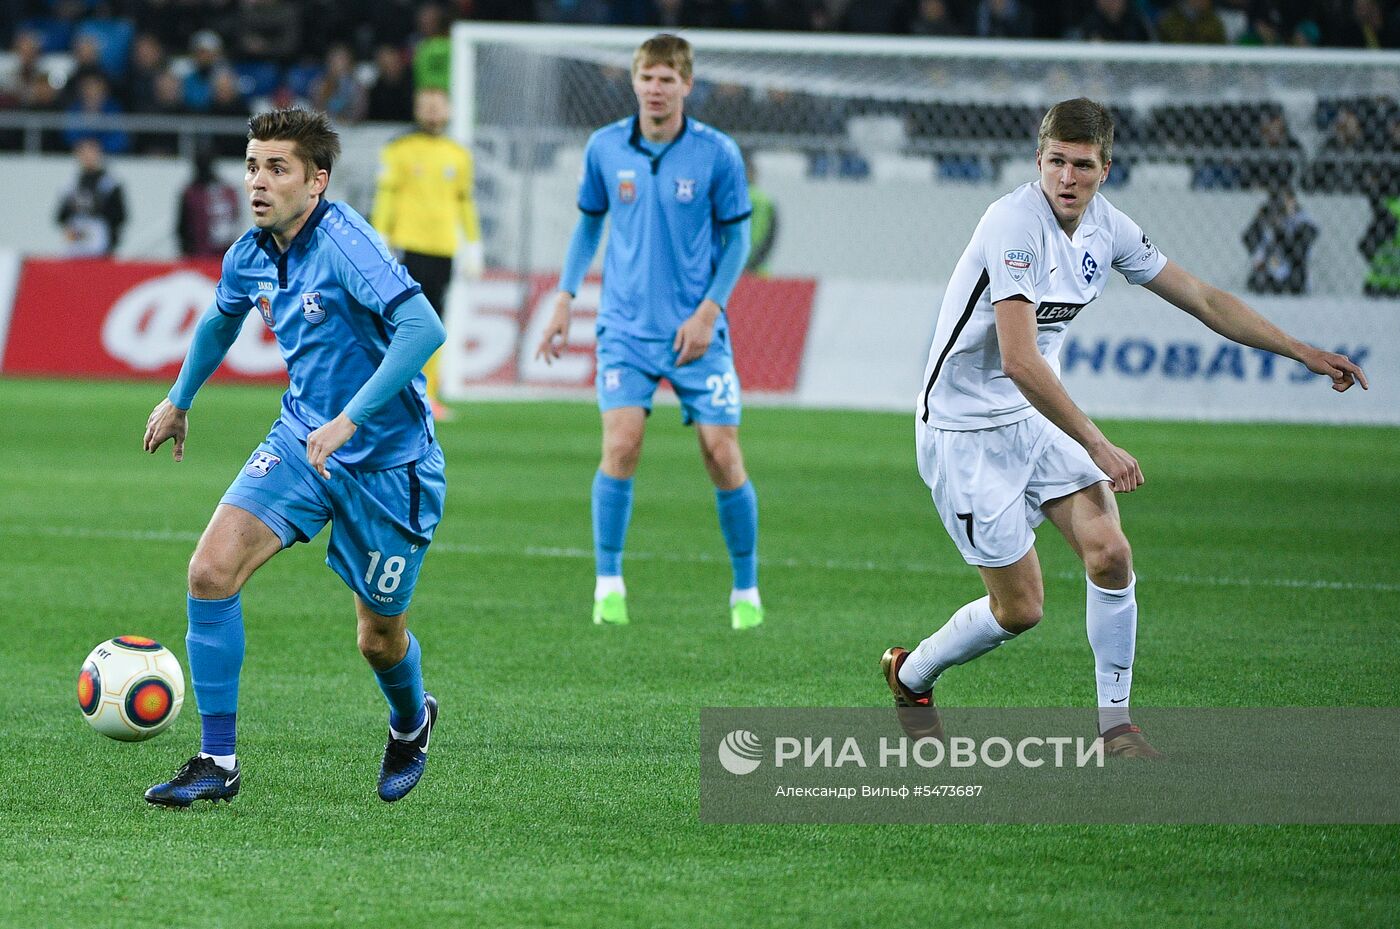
679,205
354,445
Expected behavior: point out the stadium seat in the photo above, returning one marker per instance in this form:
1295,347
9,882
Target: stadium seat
257,78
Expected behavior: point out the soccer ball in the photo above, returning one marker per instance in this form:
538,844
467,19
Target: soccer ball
131,688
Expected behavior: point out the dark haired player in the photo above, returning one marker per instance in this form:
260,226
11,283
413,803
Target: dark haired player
354,445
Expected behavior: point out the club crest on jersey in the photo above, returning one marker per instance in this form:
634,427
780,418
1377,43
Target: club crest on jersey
261,463
311,307
1089,266
627,186
685,189
265,310
1018,262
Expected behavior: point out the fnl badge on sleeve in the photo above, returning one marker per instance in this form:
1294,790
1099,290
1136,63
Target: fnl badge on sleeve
1018,262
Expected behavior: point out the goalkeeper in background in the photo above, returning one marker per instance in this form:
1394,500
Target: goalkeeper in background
424,196
679,235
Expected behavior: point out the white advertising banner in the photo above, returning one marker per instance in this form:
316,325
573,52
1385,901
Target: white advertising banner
1135,355
1129,354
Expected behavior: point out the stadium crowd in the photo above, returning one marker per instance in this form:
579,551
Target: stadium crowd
358,60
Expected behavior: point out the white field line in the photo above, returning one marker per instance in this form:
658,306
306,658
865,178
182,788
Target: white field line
831,564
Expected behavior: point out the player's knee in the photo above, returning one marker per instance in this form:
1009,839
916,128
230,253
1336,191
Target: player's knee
620,454
1019,613
211,578
723,461
378,647
1110,563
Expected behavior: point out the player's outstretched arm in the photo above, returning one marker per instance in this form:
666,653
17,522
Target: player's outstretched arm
587,234
1022,362
1230,316
214,334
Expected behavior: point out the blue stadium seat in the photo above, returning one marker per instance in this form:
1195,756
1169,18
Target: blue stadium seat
301,77
257,78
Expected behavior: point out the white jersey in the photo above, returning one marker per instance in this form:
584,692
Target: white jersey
1019,249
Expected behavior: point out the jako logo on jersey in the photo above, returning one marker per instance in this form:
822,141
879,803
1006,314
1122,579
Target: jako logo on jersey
265,308
261,463
311,307
1089,266
685,189
266,285
740,752
627,186
1018,263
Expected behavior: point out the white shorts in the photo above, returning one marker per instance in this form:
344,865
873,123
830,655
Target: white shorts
989,484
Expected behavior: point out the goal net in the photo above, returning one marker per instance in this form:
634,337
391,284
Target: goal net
1272,173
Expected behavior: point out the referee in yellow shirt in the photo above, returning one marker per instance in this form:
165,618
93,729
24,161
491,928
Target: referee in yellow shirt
423,197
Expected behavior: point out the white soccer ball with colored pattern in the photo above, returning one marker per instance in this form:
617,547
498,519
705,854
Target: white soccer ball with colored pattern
131,688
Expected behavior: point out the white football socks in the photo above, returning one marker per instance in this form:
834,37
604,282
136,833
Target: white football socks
1111,619
227,762
608,584
747,594
972,631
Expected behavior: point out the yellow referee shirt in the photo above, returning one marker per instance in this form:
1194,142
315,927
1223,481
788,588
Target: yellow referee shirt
424,194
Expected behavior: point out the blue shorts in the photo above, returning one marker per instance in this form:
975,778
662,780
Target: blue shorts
381,521
629,369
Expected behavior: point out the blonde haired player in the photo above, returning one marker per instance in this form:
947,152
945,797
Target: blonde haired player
1002,446
676,200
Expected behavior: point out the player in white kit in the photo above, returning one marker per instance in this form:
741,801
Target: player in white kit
1002,446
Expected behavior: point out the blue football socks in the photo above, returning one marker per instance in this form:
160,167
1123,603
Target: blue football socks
738,521
403,688
612,508
214,644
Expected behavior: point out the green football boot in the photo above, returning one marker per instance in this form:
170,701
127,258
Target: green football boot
611,610
745,615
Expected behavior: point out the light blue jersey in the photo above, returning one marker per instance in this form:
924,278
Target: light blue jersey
330,301
666,206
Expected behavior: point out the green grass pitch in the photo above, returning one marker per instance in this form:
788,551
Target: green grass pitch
562,787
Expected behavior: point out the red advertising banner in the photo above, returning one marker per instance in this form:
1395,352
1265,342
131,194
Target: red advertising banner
100,318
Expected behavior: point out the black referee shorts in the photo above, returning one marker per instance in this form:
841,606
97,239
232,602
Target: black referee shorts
432,272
